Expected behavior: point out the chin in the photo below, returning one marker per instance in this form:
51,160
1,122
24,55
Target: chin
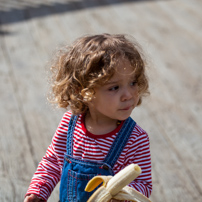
123,118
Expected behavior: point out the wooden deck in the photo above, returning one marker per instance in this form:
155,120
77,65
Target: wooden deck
170,31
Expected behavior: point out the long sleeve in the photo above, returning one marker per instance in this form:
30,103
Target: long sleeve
142,157
46,176
49,170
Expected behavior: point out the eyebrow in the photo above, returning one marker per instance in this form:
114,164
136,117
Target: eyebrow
116,81
112,82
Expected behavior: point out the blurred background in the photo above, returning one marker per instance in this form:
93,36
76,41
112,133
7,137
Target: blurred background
169,31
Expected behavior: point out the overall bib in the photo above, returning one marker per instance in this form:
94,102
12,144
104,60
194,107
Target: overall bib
77,172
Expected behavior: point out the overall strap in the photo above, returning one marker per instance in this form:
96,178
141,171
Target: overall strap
70,133
120,142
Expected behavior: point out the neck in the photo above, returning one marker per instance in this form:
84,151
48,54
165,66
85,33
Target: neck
99,125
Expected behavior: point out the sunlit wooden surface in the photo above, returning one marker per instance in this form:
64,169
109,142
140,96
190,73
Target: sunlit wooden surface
169,31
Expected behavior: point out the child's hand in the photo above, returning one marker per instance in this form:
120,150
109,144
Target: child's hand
32,198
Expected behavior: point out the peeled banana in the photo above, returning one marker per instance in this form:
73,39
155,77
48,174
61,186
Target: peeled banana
115,187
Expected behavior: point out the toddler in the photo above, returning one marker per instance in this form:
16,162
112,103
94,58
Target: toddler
100,79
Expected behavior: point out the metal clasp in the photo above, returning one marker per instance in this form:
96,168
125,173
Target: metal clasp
67,160
105,167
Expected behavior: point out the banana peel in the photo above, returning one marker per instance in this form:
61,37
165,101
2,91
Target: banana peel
116,187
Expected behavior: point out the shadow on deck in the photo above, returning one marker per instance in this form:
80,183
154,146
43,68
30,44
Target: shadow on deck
10,9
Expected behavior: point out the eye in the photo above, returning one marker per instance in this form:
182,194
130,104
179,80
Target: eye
114,88
133,83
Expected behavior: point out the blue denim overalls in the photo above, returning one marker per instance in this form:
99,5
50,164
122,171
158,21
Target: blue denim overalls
77,172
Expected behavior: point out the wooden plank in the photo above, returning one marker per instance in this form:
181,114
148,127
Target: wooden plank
170,31
29,73
15,152
28,78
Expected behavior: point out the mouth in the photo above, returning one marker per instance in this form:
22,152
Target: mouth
126,108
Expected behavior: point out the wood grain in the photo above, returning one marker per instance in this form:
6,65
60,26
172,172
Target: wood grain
170,32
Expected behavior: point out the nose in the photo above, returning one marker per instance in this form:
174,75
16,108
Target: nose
126,94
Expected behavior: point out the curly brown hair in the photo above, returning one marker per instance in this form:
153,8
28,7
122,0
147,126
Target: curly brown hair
88,63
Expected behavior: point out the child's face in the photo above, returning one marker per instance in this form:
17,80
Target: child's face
118,97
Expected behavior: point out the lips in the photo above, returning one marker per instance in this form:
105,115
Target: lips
126,108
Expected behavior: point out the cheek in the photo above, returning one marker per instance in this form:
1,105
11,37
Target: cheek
107,101
136,97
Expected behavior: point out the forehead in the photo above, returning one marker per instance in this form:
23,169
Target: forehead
123,71
124,68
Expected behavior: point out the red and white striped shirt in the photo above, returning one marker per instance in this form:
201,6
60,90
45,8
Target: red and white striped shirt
91,147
